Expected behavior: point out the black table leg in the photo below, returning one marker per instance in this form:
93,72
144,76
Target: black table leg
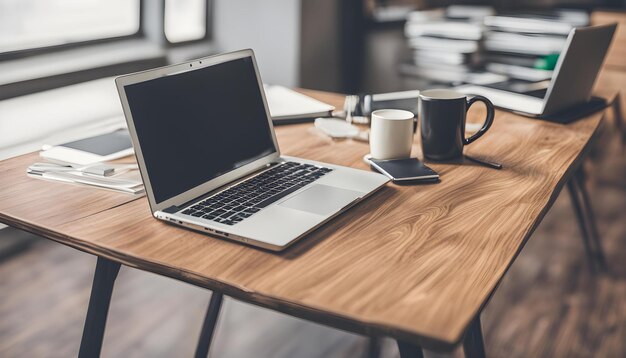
619,121
586,221
95,322
208,327
580,219
409,350
473,344
591,220
373,347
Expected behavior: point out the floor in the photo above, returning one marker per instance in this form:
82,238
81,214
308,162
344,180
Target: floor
548,305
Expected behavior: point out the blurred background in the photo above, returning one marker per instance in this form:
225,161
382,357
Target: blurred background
57,59
346,46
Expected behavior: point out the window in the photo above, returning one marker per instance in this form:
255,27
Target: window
54,43
185,20
31,24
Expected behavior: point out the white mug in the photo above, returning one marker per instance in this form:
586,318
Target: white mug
391,134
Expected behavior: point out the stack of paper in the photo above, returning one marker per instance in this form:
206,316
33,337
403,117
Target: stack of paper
117,177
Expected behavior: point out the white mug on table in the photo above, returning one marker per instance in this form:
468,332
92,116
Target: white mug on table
391,134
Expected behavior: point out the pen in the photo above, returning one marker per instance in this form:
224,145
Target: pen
492,165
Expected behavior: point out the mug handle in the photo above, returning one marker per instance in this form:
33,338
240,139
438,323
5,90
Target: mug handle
488,120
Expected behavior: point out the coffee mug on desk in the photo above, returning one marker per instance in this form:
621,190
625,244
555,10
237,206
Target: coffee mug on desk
442,123
391,134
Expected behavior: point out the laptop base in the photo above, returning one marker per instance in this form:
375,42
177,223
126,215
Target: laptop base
576,112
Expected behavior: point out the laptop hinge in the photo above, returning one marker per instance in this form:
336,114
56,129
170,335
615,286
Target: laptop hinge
171,210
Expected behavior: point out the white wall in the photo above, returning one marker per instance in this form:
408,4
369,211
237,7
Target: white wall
270,27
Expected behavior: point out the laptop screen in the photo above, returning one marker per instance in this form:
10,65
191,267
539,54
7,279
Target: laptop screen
195,126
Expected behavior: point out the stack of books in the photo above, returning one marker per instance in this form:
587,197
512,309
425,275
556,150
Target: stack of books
445,43
526,46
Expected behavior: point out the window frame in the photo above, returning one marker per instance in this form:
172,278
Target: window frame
208,34
17,54
151,33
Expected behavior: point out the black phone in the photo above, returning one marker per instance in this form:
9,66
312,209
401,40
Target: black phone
405,170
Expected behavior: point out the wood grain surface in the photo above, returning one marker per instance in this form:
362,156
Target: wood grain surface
44,203
412,262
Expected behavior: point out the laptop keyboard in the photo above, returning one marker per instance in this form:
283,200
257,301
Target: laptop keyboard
522,87
540,93
243,200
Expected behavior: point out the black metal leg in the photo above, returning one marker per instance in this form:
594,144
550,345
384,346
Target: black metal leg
409,350
95,322
373,347
580,219
473,343
619,121
591,220
208,327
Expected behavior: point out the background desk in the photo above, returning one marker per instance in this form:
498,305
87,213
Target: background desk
417,263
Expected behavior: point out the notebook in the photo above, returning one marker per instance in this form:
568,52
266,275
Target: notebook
288,106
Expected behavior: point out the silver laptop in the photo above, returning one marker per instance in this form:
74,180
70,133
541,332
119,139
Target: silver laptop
571,84
209,159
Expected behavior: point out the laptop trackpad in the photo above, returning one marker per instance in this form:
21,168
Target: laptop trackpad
321,199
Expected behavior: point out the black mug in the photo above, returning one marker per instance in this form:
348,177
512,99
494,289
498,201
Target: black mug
442,123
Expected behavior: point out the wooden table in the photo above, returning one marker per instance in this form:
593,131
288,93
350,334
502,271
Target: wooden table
417,263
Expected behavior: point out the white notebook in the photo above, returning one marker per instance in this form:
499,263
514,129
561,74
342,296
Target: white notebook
287,105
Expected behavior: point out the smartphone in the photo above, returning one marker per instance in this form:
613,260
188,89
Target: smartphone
405,170
100,148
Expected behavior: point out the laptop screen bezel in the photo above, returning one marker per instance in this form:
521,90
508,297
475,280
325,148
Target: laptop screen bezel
214,183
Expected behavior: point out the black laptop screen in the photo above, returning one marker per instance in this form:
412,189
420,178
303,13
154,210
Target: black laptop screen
197,125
